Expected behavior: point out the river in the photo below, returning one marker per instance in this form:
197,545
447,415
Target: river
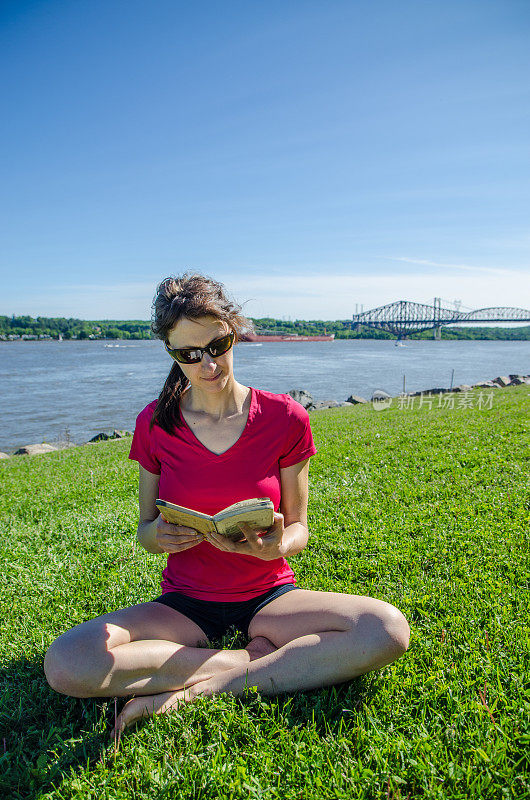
51,390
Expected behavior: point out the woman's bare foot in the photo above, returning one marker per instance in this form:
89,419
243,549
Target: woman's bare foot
259,647
148,706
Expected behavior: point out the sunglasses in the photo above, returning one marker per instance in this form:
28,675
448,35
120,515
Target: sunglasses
193,355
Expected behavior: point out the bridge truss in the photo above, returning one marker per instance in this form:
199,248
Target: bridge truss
403,317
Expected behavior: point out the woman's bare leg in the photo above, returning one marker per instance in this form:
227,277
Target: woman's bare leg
148,648
322,638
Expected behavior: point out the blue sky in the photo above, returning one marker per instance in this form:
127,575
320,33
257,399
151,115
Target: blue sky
310,155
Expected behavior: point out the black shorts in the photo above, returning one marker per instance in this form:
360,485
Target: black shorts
216,617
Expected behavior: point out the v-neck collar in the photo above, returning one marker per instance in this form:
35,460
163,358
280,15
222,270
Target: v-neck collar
225,453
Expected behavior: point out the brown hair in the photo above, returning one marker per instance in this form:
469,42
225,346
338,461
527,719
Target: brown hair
192,296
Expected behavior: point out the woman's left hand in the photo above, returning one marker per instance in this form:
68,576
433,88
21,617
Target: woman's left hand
266,546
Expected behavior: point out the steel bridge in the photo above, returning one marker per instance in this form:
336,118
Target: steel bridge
403,317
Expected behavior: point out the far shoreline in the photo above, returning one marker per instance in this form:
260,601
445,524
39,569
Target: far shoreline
338,338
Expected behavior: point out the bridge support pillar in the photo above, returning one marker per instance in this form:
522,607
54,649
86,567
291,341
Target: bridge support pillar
437,333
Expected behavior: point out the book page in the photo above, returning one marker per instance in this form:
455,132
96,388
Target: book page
242,504
259,518
182,516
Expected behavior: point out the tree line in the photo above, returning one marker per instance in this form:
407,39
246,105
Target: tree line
71,328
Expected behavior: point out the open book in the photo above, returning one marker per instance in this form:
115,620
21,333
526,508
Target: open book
257,512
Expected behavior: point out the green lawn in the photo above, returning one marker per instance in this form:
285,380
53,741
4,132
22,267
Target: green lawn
425,508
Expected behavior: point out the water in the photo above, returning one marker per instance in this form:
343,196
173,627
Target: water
48,388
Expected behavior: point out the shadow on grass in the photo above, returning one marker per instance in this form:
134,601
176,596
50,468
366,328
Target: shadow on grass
324,707
46,736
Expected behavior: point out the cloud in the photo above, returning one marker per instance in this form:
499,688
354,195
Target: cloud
334,296
315,295
466,267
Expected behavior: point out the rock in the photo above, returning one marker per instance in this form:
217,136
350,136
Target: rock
486,385
462,388
326,404
347,403
302,397
4,455
380,394
517,380
502,380
436,390
353,399
100,437
103,437
35,449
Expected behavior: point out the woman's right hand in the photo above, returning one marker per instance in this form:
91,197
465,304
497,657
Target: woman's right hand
175,538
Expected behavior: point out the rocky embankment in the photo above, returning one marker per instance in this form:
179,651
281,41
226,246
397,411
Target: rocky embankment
44,447
306,400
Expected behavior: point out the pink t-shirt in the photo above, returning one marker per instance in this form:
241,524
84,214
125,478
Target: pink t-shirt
277,434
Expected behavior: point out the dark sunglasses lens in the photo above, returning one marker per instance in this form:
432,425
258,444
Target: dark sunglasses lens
188,356
221,346
184,356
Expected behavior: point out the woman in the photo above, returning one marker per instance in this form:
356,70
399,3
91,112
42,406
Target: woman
208,442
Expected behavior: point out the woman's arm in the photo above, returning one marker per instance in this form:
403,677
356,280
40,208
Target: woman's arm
149,513
154,533
293,506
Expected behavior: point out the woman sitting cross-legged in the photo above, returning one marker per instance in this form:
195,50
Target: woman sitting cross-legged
206,443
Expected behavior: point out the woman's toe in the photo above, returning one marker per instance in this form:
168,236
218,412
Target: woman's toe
147,706
132,711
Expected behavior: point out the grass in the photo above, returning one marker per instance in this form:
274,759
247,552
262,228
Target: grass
425,508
